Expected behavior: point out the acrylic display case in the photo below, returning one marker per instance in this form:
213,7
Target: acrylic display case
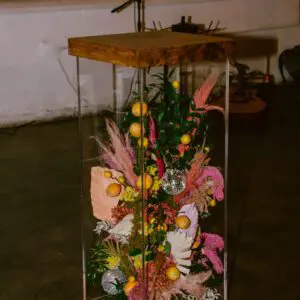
154,165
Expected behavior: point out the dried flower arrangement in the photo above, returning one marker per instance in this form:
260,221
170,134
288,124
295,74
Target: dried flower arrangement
153,194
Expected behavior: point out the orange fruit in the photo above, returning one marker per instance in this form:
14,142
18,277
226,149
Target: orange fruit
113,190
185,139
183,222
139,109
173,273
147,182
145,142
129,286
135,130
176,84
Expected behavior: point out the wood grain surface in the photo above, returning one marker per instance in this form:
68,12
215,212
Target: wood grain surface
149,49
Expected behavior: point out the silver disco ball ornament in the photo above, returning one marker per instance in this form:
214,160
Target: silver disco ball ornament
173,182
111,280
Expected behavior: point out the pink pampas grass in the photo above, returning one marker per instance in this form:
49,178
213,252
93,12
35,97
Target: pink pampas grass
117,155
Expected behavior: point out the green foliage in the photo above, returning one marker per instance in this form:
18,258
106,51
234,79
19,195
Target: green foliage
167,248
96,265
174,117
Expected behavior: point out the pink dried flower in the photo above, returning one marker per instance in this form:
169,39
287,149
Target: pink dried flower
152,132
161,167
212,244
182,148
216,183
152,139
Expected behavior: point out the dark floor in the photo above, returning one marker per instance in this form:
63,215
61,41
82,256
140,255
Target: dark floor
40,255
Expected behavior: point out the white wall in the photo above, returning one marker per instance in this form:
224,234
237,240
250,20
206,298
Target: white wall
32,84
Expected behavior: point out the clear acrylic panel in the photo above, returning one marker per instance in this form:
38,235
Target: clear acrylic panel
153,173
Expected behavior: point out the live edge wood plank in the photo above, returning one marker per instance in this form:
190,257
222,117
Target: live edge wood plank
149,49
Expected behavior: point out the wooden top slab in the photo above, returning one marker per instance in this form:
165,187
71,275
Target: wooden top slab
149,49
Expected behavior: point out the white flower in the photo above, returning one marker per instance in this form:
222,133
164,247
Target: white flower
211,294
122,230
120,238
181,250
103,226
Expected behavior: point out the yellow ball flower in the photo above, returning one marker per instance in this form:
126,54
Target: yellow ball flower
206,149
145,142
152,170
152,220
185,139
173,273
129,195
121,179
160,248
139,109
147,231
108,174
183,222
135,130
164,227
113,190
156,185
147,182
137,262
131,278
113,261
176,84
212,202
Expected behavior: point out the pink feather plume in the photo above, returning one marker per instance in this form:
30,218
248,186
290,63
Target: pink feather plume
201,95
118,155
213,243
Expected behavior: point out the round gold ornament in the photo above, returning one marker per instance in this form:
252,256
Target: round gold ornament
147,182
183,222
113,190
173,273
185,139
135,130
139,109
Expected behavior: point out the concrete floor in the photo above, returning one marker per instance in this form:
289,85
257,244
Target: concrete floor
40,255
